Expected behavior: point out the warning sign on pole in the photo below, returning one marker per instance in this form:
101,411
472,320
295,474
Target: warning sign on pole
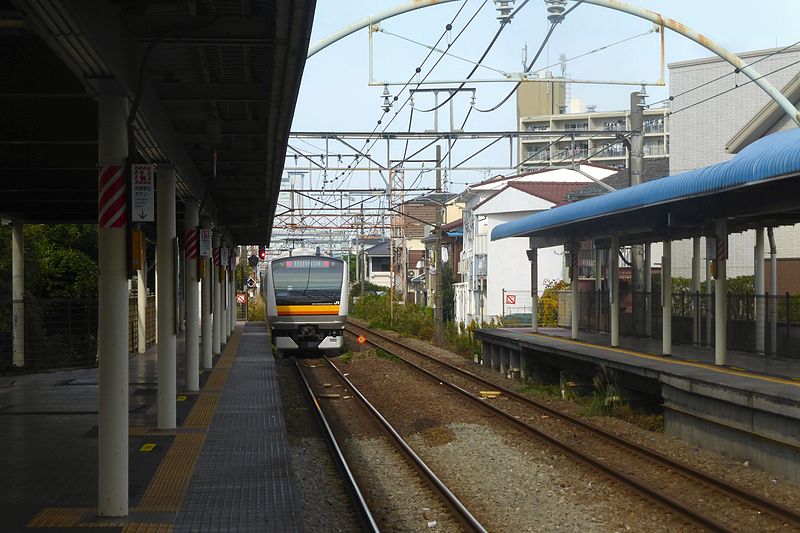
205,242
241,297
511,299
143,199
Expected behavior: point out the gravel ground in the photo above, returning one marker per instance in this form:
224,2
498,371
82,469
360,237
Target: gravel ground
398,497
508,481
738,472
322,496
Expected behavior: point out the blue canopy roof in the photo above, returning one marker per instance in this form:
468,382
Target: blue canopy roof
773,156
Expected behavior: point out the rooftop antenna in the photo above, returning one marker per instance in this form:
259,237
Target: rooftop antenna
525,56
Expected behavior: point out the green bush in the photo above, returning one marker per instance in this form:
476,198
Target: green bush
256,311
548,302
415,320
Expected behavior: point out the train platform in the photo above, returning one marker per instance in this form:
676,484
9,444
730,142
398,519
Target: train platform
749,408
226,466
759,373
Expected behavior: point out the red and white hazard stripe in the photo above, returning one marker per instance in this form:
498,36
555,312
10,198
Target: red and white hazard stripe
111,197
216,257
191,243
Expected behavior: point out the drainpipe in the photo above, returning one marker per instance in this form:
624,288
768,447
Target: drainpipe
773,292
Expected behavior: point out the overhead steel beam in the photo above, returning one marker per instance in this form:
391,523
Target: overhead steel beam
231,156
219,92
201,30
710,44
370,20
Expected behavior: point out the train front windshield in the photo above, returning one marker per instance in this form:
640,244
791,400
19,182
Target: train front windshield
307,281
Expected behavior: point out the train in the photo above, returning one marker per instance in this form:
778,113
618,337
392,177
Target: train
306,295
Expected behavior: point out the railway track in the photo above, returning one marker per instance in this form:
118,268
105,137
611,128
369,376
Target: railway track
640,468
460,513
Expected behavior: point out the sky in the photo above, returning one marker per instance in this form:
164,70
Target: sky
335,94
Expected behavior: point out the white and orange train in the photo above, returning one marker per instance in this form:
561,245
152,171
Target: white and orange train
306,294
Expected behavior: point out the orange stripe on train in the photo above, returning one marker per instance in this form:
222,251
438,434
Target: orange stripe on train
289,310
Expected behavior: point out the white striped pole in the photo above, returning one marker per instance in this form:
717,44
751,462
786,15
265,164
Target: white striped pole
191,297
206,359
112,329
216,345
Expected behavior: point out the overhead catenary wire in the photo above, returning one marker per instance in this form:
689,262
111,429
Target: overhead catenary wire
718,78
731,89
553,25
418,70
503,23
448,27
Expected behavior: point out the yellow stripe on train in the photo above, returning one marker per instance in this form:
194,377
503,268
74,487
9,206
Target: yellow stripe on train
284,310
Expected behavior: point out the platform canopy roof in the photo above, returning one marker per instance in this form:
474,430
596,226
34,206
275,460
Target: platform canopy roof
215,81
758,187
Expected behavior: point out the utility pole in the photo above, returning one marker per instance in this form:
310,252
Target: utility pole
363,270
637,251
438,311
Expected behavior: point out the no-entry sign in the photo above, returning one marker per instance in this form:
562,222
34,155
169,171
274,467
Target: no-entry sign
511,299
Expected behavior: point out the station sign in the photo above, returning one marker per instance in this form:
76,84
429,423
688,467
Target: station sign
205,242
143,193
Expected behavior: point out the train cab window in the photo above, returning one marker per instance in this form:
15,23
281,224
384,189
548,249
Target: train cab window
307,280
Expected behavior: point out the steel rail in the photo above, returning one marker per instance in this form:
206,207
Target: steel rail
363,507
727,489
464,514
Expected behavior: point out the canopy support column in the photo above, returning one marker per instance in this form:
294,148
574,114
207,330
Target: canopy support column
112,329
666,299
206,360
192,297
216,346
720,297
18,292
758,289
533,257
696,290
648,290
613,308
165,282
576,298
141,301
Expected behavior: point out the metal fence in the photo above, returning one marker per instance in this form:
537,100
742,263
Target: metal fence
62,332
693,318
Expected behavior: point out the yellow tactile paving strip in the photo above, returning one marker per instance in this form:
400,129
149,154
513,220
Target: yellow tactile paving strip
168,486
73,517
202,411
166,489
674,361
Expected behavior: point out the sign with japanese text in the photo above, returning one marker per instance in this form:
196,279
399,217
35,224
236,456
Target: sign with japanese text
205,242
143,194
223,257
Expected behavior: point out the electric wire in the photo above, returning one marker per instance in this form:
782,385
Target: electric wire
718,78
731,89
553,24
503,23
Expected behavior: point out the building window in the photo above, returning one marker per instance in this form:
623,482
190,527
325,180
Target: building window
380,264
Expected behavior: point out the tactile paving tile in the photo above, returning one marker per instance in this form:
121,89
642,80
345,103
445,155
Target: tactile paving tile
242,480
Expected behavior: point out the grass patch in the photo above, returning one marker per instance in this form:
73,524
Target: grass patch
383,354
540,389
